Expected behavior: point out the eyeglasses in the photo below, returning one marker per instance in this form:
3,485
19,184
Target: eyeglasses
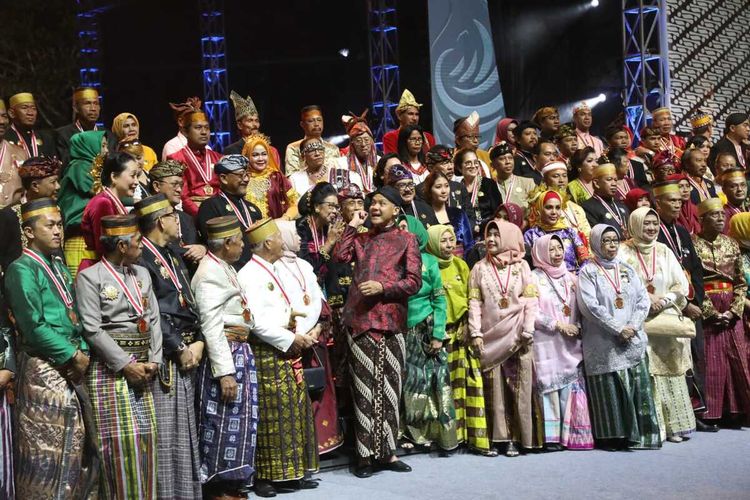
242,174
172,215
362,140
406,186
611,241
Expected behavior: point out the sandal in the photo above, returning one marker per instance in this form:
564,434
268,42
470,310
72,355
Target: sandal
492,452
511,450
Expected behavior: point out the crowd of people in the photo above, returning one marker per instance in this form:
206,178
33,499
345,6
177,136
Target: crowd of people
205,323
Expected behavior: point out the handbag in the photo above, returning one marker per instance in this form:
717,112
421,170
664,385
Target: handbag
666,324
315,376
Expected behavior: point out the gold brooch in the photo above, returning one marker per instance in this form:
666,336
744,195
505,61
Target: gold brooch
110,293
270,286
163,271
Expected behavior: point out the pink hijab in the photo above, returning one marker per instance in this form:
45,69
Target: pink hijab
512,248
540,256
501,130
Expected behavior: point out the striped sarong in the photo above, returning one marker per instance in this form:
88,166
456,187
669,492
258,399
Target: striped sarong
622,406
125,433
52,459
429,414
674,409
7,487
177,436
376,368
75,251
467,388
287,446
227,432
566,417
513,409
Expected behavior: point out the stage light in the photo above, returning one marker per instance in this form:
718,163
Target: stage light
344,52
338,140
595,3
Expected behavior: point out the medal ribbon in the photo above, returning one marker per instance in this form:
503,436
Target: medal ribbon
247,220
62,287
702,193
118,204
616,283
643,264
318,241
302,282
231,274
80,128
34,147
137,301
475,191
275,279
168,266
677,249
615,213
205,174
509,191
565,283
503,290
356,165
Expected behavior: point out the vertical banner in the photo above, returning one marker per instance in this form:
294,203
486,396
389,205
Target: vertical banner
464,70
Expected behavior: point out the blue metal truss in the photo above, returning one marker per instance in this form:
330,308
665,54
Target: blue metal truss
89,44
645,61
215,82
384,78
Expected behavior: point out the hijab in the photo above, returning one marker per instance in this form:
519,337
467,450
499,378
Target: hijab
259,140
636,228
597,232
512,248
501,130
539,208
542,260
119,121
434,235
515,213
290,239
85,146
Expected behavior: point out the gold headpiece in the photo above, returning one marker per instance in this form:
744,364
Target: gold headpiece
407,100
85,93
22,98
242,107
261,230
605,169
659,111
709,205
666,188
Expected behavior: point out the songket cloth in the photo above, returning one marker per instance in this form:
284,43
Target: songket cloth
622,406
126,434
324,405
287,447
339,357
467,388
75,252
376,370
566,416
177,436
227,432
727,373
514,412
674,408
52,456
429,415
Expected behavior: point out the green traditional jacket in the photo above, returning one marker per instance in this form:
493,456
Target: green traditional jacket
43,323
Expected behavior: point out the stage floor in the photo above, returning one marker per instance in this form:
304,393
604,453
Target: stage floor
709,466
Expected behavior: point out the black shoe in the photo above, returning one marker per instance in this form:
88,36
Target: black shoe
551,447
702,426
397,466
264,489
308,484
363,471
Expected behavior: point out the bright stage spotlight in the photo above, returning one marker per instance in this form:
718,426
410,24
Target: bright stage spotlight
595,3
566,110
344,52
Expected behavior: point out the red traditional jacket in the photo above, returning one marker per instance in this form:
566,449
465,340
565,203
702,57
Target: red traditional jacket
390,257
195,186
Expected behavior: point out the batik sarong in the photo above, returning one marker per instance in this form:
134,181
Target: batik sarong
125,434
287,447
622,406
429,414
227,432
467,388
376,366
53,456
513,409
177,434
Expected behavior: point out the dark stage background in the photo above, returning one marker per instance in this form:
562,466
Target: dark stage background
285,55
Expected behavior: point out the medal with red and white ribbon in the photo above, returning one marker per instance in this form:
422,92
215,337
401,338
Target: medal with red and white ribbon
649,276
247,220
318,240
509,191
80,127
275,279
566,307
137,301
619,302
232,275
58,281
504,301
475,192
171,271
121,210
300,279
205,172
34,151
